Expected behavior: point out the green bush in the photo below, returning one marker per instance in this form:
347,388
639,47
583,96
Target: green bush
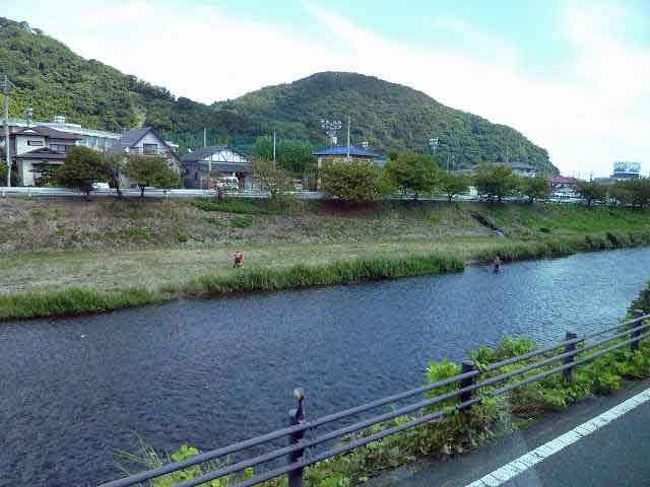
241,222
239,206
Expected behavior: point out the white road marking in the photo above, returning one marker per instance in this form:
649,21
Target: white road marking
511,470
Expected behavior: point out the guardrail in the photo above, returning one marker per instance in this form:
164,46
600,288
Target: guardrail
472,388
149,193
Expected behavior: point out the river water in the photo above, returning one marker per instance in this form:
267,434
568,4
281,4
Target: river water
207,373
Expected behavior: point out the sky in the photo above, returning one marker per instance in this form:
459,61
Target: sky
572,75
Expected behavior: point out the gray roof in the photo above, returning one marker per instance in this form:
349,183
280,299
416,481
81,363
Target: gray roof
355,151
231,167
42,153
133,136
203,152
48,132
521,165
222,166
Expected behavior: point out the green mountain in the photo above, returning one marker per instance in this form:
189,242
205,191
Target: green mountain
53,80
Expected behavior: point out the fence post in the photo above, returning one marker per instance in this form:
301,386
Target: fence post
634,344
466,366
297,416
569,347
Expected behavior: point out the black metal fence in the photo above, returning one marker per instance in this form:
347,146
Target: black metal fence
308,436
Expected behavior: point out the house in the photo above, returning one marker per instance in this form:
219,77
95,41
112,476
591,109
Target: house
356,153
146,141
34,149
201,167
522,169
563,185
100,140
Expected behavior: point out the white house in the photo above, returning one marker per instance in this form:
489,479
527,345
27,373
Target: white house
36,148
215,162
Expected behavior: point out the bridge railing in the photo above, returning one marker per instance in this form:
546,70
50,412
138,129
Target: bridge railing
309,444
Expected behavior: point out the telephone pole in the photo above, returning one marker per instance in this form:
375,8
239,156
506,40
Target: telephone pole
5,92
348,138
274,147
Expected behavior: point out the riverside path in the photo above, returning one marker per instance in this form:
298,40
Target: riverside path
602,442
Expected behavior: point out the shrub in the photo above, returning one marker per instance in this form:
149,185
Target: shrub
352,181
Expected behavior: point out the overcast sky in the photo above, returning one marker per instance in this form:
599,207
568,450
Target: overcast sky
573,76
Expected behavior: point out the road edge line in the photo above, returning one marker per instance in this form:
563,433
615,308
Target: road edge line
528,460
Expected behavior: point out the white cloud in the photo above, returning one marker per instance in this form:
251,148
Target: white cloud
595,114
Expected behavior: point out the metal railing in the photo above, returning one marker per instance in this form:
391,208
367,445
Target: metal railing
474,383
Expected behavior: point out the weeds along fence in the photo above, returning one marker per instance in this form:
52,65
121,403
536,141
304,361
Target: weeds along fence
304,443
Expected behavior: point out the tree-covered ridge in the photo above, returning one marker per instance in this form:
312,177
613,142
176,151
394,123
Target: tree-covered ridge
389,116
53,80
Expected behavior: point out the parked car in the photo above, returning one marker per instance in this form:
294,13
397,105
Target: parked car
227,183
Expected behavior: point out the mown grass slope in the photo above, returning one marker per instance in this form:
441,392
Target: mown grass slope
156,250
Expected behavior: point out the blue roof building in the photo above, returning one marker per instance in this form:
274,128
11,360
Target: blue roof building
356,152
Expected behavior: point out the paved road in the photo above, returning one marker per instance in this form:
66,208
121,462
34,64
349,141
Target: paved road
618,454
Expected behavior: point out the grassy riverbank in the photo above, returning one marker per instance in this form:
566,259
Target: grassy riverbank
103,255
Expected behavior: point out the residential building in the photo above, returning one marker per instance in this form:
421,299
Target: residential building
563,185
145,141
34,149
522,169
356,153
203,167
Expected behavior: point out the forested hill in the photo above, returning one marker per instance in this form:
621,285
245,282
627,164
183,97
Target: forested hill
53,80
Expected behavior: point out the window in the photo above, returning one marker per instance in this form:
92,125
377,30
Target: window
59,147
149,148
35,142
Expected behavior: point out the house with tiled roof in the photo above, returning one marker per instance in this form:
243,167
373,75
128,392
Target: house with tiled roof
34,149
146,141
204,167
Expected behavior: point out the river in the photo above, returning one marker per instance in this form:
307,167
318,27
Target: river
75,391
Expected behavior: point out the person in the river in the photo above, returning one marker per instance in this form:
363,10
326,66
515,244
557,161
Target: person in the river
238,258
496,264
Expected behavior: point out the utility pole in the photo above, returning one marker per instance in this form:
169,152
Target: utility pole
5,92
205,137
274,147
348,138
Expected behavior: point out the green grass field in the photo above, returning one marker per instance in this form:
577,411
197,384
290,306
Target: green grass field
141,259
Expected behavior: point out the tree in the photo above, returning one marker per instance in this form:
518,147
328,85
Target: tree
292,155
272,178
3,170
352,181
150,171
452,184
634,192
115,163
534,188
495,180
622,193
81,169
591,191
414,173
641,191
47,176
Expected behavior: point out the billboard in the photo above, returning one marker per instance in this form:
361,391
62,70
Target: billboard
624,167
